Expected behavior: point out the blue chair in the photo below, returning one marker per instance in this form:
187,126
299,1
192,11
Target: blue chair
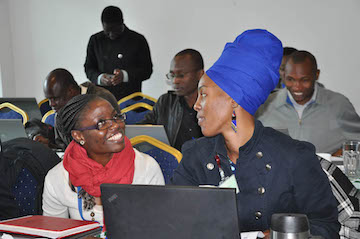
135,113
167,157
10,111
134,98
49,118
25,192
44,106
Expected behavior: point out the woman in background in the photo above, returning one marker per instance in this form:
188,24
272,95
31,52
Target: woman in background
274,173
99,153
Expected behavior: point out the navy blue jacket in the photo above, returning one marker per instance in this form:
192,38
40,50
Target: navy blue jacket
275,174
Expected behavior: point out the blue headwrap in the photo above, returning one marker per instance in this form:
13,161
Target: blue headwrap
248,68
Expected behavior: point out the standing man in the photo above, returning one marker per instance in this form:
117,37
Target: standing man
311,113
174,109
118,58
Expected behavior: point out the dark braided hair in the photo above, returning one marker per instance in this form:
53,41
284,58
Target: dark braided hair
67,118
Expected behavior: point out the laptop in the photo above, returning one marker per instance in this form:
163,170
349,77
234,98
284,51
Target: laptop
155,131
162,212
29,105
11,129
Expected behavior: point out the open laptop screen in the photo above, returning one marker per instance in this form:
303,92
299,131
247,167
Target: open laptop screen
177,212
11,129
155,131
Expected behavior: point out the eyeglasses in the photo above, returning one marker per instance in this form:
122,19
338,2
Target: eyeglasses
106,123
171,76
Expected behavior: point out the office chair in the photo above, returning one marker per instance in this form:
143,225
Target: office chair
49,118
134,98
10,111
167,157
136,112
44,106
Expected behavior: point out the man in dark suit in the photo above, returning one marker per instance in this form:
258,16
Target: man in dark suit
118,58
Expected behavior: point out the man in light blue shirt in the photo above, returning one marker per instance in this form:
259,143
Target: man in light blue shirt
309,112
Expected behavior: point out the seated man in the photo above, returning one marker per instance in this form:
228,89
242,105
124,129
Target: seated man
174,109
60,87
287,51
311,113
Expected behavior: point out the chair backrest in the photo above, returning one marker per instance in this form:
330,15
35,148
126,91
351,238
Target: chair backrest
44,106
25,193
135,113
49,118
25,165
10,111
167,157
134,98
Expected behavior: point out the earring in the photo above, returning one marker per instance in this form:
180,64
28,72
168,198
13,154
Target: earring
233,121
82,142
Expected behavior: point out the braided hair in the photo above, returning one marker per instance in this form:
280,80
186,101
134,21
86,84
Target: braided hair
67,118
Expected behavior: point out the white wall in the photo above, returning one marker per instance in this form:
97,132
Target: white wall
7,83
47,34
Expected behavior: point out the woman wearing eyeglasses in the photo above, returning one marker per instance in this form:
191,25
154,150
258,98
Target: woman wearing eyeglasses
98,153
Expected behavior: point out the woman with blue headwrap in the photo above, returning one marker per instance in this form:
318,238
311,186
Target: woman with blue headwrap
274,173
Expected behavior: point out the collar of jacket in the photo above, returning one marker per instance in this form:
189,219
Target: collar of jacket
284,100
243,150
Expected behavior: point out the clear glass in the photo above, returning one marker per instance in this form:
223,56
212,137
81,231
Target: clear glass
351,159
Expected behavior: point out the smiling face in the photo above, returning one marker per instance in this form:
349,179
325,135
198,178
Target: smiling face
300,80
100,143
214,108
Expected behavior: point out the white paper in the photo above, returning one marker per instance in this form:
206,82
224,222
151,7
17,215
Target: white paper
230,183
252,235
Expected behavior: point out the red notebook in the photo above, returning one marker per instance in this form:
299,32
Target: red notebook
51,227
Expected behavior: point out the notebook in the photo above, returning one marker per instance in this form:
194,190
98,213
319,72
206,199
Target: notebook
29,105
11,129
155,131
162,212
50,227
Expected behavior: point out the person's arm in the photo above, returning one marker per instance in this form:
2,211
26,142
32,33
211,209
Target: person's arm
142,70
185,174
349,121
153,117
91,65
51,205
312,193
155,174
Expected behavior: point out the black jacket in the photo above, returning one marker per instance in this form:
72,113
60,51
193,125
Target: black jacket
275,174
167,111
130,52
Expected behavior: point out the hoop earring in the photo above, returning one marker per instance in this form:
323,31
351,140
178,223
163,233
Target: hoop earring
82,142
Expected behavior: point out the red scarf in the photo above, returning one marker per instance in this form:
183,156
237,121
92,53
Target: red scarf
89,174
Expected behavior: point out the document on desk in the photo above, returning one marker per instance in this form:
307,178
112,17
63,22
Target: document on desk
252,235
